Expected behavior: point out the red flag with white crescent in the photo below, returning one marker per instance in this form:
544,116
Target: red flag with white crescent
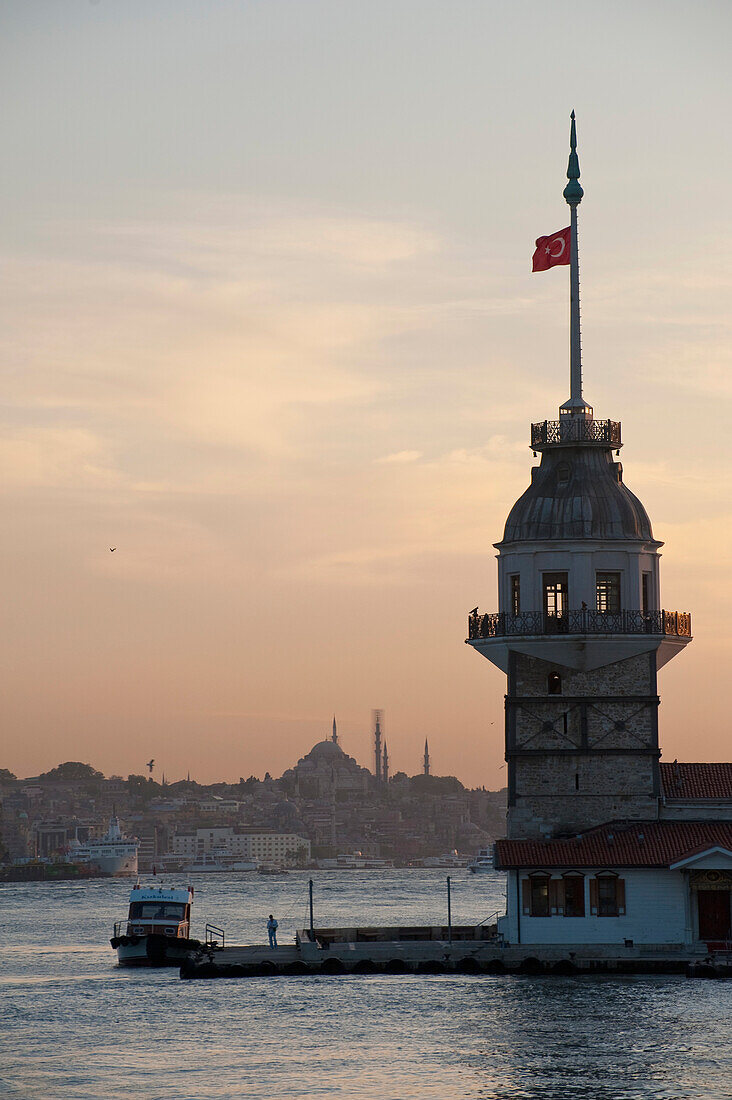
552,251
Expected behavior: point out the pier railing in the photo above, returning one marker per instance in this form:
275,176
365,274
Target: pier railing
215,936
501,625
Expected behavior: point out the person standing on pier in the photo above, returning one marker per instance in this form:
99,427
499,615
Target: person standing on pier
272,931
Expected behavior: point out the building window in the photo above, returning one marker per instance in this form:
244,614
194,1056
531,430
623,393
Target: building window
556,595
536,895
574,896
515,594
554,684
608,592
607,896
646,592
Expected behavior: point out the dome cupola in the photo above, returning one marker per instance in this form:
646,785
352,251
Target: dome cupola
577,493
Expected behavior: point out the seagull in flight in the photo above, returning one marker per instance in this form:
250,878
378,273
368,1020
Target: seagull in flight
112,549
150,765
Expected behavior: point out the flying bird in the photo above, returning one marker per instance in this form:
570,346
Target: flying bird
149,765
112,549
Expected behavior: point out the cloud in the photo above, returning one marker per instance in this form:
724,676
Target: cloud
401,457
55,458
220,238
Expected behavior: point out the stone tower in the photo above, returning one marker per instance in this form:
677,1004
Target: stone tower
580,630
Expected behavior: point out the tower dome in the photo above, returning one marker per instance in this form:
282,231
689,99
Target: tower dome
577,493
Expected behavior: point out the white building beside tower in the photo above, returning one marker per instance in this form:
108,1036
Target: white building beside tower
605,844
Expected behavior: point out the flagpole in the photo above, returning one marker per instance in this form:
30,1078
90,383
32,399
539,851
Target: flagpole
576,406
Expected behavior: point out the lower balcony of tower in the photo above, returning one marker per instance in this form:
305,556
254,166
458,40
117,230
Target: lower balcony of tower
580,639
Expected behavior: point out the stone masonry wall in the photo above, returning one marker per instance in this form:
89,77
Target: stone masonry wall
583,758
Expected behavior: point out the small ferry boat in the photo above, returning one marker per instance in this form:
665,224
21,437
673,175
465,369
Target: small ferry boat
448,860
271,869
483,862
205,863
354,862
157,929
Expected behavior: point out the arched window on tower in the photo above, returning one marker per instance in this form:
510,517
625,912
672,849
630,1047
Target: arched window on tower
554,683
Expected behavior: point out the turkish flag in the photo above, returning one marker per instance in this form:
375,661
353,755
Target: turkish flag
551,251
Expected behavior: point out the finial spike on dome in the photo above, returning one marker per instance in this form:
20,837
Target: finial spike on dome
576,406
573,191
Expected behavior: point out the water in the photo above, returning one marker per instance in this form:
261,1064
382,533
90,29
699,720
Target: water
74,1026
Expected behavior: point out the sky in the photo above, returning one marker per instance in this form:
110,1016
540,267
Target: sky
269,329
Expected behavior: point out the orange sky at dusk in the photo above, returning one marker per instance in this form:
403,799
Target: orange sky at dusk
269,329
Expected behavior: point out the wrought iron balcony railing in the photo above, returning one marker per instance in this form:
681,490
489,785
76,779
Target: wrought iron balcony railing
501,625
574,429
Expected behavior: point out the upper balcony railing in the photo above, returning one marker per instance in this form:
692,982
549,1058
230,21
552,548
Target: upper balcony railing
575,429
501,625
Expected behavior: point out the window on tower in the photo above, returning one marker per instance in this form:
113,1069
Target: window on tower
554,684
515,594
646,592
608,592
556,599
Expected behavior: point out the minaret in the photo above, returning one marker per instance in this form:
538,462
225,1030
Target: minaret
426,764
334,735
377,746
580,630
385,770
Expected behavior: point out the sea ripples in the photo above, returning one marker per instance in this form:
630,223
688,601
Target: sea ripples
72,1025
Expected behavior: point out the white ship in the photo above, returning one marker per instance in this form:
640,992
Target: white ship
482,862
113,854
449,859
157,929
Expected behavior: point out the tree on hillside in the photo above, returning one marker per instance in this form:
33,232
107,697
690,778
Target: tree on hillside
435,784
6,776
71,771
144,787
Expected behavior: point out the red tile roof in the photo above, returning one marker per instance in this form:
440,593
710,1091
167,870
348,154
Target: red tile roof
696,780
618,844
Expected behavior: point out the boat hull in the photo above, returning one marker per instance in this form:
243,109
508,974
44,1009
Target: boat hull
153,950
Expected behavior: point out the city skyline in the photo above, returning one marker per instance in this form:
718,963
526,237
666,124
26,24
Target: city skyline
271,333
155,770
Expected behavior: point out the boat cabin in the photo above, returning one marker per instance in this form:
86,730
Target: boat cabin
166,912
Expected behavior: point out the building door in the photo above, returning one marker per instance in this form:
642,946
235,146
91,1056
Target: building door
714,914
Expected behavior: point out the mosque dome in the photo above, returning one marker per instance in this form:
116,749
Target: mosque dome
577,493
326,750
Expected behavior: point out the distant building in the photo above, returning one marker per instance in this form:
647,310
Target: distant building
244,844
325,769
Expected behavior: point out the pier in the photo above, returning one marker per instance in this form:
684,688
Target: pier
470,950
